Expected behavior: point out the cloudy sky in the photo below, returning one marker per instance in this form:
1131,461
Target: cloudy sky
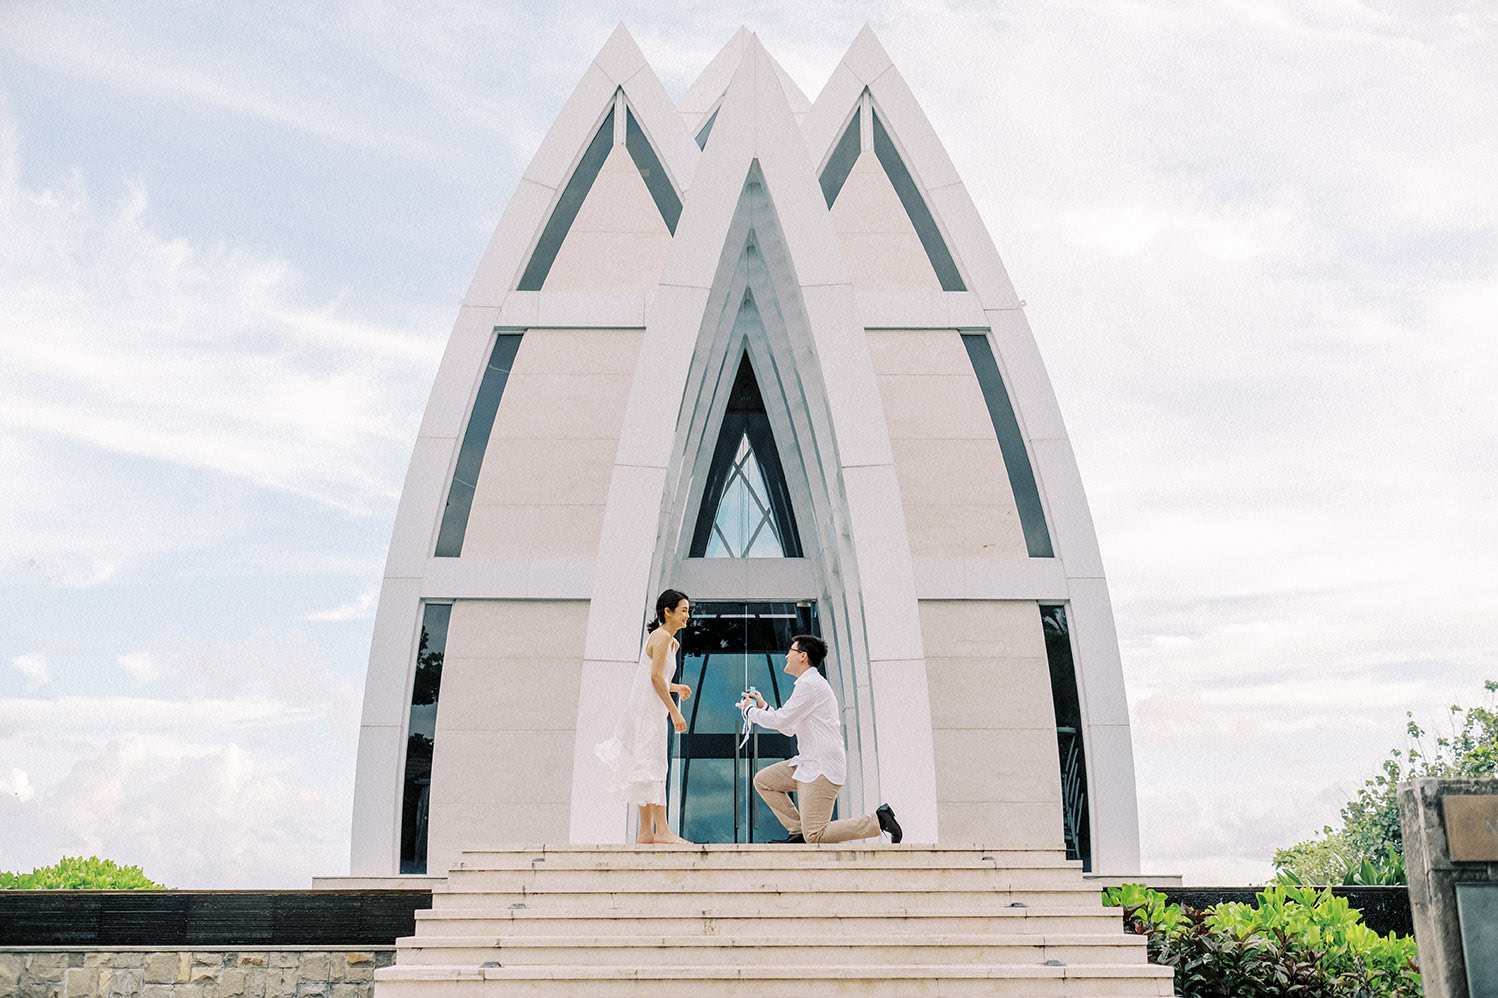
1259,242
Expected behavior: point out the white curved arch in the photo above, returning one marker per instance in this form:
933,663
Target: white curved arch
1109,746
755,124
619,66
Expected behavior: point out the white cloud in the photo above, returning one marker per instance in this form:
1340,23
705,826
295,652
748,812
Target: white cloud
17,785
188,816
127,348
140,665
35,667
360,609
237,773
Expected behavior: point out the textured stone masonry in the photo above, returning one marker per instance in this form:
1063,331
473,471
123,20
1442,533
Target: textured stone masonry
150,973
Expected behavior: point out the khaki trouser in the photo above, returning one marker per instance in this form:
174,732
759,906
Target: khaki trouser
775,784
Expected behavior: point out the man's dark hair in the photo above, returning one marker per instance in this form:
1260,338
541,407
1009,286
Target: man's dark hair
814,647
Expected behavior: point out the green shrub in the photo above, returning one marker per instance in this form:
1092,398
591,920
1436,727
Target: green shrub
77,873
1296,942
1369,839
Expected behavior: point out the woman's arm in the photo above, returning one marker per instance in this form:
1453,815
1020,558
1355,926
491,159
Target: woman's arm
658,646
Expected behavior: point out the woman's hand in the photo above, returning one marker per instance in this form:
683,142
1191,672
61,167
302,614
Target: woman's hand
682,690
678,722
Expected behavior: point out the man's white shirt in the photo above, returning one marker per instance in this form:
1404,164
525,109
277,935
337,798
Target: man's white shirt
812,715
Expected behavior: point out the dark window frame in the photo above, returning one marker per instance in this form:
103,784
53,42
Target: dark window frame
426,685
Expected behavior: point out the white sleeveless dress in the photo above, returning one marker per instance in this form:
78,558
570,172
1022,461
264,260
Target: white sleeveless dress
636,755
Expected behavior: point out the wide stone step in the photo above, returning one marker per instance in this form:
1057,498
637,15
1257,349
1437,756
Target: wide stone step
733,922
905,980
545,879
699,950
785,896
736,857
861,919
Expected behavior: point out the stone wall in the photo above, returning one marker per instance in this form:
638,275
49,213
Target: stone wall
144,972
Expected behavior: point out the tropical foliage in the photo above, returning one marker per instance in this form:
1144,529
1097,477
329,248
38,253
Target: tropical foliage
1368,848
77,873
1297,941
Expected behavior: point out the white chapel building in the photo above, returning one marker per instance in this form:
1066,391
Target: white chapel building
761,349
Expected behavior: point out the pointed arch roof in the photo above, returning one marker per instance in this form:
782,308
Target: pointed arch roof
620,66
867,66
706,91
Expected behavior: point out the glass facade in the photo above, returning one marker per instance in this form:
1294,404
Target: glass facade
460,492
746,504
728,647
1011,445
421,735
1076,823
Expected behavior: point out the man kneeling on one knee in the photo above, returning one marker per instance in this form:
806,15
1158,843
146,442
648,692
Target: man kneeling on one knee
817,772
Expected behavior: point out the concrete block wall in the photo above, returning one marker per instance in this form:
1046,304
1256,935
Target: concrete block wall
142,972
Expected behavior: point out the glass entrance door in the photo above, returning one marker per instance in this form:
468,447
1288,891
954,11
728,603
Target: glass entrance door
728,647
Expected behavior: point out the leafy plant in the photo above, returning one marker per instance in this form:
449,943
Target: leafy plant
1364,849
1297,941
77,873
1339,870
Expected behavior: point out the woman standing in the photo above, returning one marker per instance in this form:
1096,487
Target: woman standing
636,755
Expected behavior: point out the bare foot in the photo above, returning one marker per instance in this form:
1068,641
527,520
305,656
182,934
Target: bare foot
672,839
644,841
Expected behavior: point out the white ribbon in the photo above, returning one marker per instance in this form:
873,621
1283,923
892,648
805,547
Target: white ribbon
748,727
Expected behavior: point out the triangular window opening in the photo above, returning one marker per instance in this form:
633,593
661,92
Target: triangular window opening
746,505
570,201
840,164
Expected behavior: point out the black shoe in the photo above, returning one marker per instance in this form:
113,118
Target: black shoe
794,839
887,822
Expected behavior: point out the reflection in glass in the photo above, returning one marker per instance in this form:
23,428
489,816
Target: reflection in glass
727,648
1075,821
746,503
421,735
744,527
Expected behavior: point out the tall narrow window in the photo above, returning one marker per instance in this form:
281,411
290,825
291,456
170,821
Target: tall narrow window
915,207
1011,445
568,205
652,172
1075,819
840,163
584,175
706,130
475,442
746,505
421,735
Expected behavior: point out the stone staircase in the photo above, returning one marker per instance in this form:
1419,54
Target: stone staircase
847,919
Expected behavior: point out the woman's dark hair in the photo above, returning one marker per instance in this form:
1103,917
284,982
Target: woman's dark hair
668,600
814,647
